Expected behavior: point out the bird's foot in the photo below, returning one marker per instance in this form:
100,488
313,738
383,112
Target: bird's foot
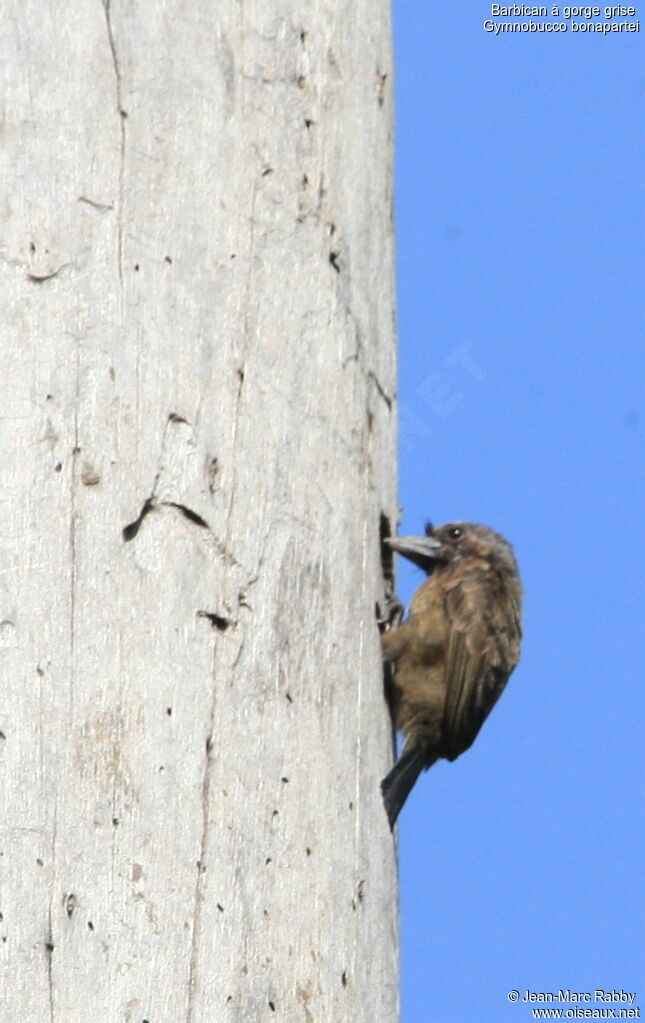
389,613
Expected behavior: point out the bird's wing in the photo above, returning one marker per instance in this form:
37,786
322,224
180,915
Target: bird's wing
483,648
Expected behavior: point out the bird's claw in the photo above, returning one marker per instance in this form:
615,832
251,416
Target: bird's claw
389,613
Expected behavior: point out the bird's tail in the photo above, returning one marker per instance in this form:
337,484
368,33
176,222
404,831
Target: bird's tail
397,785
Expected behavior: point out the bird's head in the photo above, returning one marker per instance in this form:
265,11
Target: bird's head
449,544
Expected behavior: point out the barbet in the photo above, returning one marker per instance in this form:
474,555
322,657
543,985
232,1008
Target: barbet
454,653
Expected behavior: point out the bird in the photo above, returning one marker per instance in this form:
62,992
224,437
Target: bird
452,656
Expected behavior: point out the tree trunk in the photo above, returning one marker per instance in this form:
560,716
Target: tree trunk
197,449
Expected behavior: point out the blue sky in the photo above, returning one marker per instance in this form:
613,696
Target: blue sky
520,208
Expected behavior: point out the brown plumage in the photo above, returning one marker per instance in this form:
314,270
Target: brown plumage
453,655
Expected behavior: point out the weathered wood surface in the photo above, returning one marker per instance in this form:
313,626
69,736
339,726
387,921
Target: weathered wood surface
197,342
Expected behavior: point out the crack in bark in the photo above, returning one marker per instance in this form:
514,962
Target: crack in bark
49,949
189,514
198,899
358,357
371,375
39,278
72,532
130,531
198,895
49,943
218,622
107,4
150,504
101,207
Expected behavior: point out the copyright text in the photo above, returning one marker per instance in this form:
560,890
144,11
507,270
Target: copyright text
608,1003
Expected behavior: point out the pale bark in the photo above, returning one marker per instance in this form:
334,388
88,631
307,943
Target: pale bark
196,273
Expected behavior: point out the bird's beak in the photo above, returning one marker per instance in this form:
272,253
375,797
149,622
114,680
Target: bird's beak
418,549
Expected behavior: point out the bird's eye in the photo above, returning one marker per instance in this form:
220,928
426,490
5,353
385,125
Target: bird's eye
429,529
455,533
